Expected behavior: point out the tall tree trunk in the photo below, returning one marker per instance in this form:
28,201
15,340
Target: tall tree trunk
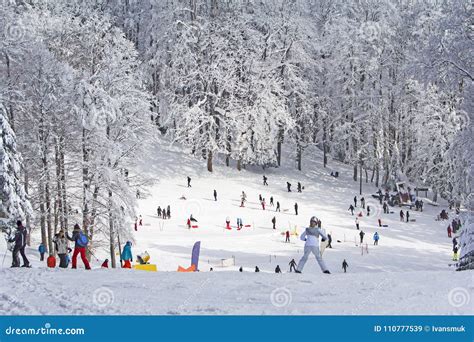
299,153
355,173
239,164
377,175
28,218
279,143
65,209
209,161
111,232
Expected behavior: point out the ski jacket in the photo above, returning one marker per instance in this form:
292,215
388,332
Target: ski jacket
75,237
61,245
376,237
20,237
127,252
42,249
311,236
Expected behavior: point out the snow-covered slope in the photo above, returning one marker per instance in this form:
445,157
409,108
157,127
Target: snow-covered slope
407,273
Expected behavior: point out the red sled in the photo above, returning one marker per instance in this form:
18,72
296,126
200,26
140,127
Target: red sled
247,225
51,261
194,226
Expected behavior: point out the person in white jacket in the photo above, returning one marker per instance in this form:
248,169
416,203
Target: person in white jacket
311,237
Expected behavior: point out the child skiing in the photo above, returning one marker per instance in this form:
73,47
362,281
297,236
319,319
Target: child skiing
278,207
311,237
227,223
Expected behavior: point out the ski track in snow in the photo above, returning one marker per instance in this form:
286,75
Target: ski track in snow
407,273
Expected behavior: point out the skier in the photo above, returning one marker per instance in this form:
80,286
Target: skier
361,234
243,198
402,216
376,239
362,202
215,195
455,242
80,244
158,211
61,247
288,186
105,264
277,269
127,255
355,201
357,223
42,250
345,265
329,241
368,210
278,207
287,236
271,201
20,243
311,238
189,182
257,269
351,209
299,187
292,265
455,253
408,216
265,180
168,212
296,209
274,222
449,231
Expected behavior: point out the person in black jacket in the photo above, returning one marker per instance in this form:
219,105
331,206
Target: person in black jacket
277,269
292,265
20,244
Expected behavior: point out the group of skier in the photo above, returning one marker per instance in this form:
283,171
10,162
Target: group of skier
165,212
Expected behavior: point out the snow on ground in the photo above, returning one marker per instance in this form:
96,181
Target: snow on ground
407,273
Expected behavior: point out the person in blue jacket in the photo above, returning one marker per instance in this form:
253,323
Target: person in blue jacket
376,238
127,255
42,250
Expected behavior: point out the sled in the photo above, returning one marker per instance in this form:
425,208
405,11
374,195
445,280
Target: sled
360,214
195,226
384,225
248,225
192,268
412,220
51,261
145,267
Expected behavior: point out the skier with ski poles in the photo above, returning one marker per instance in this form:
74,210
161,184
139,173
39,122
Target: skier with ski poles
80,244
20,243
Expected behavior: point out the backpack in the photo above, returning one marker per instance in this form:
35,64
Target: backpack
82,240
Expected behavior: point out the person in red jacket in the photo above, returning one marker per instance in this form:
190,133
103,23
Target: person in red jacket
449,231
287,235
188,223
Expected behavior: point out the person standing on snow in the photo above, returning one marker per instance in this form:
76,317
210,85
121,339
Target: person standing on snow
287,236
257,269
265,180
158,211
271,201
80,244
189,182
345,265
62,249
243,198
311,237
357,223
351,209
329,241
41,250
127,256
408,216
299,187
361,234
355,201
402,216
20,243
296,209
288,186
263,203
278,207
368,210
168,212
292,265
362,202
449,231
215,195
376,239
274,222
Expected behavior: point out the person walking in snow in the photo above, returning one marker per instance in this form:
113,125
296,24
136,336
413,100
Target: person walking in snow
243,198
357,223
402,216
361,234
385,208
215,195
274,222
62,248
329,241
376,239
189,182
263,203
288,186
351,209
345,265
355,201
158,211
19,248
292,264
127,256
278,207
260,198
265,180
227,223
239,223
449,231
138,194
455,253
287,236
296,209
421,205
168,211
277,269
408,216
257,269
299,188
368,210
80,243
311,237
140,221
362,202
42,250
271,201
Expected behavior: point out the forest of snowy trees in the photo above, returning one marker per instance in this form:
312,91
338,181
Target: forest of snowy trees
84,84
